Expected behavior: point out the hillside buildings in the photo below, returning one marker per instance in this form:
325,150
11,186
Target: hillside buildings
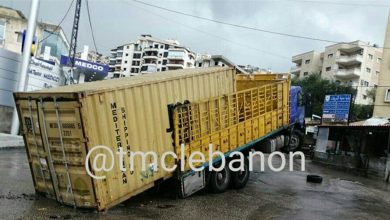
149,55
356,63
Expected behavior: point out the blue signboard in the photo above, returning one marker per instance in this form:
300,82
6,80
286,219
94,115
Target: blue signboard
336,108
86,65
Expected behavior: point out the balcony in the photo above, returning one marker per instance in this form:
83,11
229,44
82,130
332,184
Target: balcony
351,47
147,49
175,66
177,54
347,73
176,57
295,70
350,60
153,57
148,68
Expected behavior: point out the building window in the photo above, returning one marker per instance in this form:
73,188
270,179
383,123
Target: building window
364,83
165,54
19,37
328,68
164,62
364,97
159,62
378,59
377,72
387,95
368,70
161,46
216,63
156,46
305,73
330,55
125,61
124,69
160,55
370,56
166,46
199,64
56,42
307,61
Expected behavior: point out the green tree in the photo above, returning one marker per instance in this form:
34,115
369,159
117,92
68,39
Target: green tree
315,88
371,94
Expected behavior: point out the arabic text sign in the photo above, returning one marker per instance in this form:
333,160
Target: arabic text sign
336,108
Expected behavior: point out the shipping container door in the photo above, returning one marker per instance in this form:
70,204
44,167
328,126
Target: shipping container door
36,152
64,141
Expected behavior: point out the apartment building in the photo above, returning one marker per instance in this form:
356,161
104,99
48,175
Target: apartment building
50,40
149,55
356,63
307,63
382,100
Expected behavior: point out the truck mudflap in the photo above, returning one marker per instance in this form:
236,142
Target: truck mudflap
191,183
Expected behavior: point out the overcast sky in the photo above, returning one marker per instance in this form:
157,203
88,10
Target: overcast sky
119,21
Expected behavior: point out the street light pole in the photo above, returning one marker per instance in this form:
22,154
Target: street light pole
23,76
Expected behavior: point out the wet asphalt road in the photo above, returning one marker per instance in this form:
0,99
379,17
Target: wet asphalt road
268,195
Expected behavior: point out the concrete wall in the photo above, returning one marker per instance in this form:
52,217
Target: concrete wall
382,108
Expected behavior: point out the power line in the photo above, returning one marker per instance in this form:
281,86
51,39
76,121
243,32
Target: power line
216,36
248,27
353,4
343,3
59,24
90,25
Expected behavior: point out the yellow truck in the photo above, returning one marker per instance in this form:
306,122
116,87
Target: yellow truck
70,132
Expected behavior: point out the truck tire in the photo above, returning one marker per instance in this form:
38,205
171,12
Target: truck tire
240,178
296,141
219,181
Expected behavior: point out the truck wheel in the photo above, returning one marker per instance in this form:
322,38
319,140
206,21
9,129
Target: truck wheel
219,181
296,141
240,178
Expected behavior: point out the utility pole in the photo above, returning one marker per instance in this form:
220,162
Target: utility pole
23,76
73,40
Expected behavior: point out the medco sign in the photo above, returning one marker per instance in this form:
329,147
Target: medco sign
87,65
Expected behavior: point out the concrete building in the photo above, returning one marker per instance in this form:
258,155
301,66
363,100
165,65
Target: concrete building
44,70
306,63
94,56
50,43
382,100
207,60
149,55
356,63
